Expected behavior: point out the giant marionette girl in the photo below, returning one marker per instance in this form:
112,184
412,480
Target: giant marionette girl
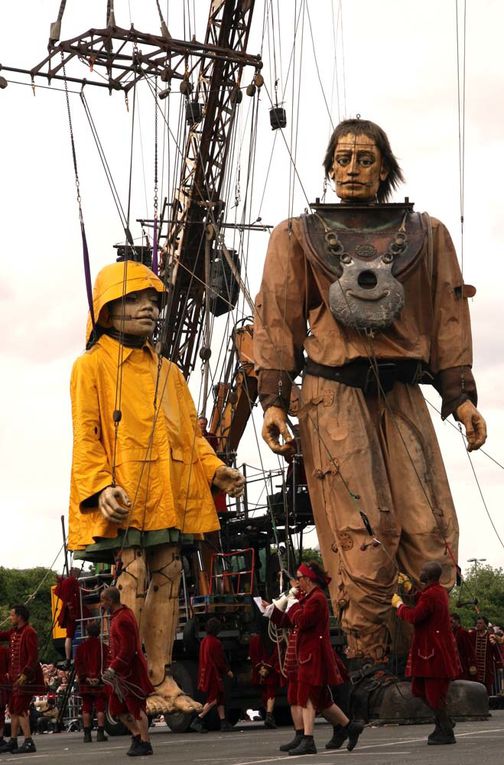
368,299
141,471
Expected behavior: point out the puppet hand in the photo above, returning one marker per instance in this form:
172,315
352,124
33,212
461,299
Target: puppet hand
396,600
229,480
474,424
405,582
21,680
108,675
473,670
274,427
114,504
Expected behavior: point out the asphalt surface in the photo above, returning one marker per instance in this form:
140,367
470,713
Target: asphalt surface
252,744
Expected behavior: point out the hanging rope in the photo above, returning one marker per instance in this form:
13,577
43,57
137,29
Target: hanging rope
461,82
85,251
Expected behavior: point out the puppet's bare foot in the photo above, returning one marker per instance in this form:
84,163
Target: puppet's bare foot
170,698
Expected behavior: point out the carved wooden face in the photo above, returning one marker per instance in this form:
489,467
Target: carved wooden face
136,313
357,168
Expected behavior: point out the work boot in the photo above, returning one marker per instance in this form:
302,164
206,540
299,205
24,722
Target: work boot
198,725
294,743
26,746
87,736
225,725
140,748
340,735
9,746
100,736
134,741
270,721
353,731
306,746
443,732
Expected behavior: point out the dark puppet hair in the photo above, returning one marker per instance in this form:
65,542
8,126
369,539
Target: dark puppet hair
371,130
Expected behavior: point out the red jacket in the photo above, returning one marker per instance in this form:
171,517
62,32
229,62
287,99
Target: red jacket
23,658
68,591
4,677
212,665
434,650
91,659
314,652
126,655
466,653
268,657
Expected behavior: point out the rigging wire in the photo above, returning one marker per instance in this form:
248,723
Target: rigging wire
461,107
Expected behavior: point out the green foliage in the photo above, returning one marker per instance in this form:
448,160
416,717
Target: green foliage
17,586
309,553
487,585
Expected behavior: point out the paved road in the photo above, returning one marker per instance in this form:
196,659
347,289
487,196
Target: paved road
252,744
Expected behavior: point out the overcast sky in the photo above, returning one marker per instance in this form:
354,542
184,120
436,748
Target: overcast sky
396,64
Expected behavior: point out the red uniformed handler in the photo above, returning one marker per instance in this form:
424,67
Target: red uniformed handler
433,657
127,673
266,675
25,675
316,663
4,689
213,667
91,660
465,649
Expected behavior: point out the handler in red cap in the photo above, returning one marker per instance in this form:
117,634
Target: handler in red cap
317,668
91,660
433,658
127,674
25,674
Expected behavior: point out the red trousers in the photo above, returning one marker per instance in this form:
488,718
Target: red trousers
433,690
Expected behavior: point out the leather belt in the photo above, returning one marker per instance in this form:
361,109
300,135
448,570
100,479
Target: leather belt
363,374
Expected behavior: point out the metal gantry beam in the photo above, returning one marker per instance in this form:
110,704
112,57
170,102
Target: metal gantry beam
198,202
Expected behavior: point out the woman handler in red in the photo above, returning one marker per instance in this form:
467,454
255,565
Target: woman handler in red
316,664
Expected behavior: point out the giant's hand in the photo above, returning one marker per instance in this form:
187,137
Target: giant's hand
114,504
229,480
274,427
474,424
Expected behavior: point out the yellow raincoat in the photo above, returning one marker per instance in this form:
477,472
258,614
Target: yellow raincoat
159,456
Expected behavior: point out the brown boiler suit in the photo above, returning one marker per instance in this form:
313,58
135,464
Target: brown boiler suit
382,448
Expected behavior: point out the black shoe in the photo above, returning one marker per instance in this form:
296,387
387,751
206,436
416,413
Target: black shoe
353,729
9,746
340,735
225,725
292,744
140,748
87,736
198,725
100,736
270,722
307,746
134,741
438,738
27,746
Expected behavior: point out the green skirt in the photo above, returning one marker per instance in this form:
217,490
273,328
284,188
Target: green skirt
104,550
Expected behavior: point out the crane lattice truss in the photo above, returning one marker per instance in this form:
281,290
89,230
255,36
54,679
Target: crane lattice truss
198,205
126,56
